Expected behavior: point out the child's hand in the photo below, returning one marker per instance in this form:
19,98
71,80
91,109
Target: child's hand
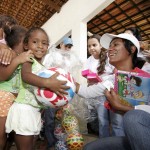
56,85
25,57
77,87
146,53
6,54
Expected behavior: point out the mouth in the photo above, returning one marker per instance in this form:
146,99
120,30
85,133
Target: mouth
39,52
112,53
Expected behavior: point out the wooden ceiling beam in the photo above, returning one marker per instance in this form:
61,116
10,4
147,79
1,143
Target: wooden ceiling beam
52,5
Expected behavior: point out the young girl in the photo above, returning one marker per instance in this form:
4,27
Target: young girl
24,117
9,78
98,63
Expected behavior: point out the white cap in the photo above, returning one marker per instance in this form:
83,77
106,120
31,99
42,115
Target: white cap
107,38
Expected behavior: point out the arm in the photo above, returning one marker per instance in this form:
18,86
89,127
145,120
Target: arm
51,83
115,102
6,54
7,71
90,91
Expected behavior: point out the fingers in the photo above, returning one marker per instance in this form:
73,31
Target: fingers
110,94
6,56
64,87
1,55
55,75
61,93
9,58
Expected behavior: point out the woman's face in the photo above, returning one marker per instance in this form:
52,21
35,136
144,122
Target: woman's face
94,47
117,52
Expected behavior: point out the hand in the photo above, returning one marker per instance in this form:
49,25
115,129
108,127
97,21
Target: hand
146,53
56,85
6,54
113,98
25,57
115,101
77,87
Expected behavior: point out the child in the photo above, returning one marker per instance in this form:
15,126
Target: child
66,59
9,78
98,63
25,111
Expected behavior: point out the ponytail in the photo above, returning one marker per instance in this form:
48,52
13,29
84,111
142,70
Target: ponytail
102,61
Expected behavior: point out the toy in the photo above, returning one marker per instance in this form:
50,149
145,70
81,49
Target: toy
48,98
75,141
67,129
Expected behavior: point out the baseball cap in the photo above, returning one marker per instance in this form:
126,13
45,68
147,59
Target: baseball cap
107,38
67,41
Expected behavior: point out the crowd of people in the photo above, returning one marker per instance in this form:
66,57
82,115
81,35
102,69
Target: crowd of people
22,53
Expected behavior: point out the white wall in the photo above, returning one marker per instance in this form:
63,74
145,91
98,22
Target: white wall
72,20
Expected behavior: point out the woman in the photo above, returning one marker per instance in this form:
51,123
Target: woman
122,53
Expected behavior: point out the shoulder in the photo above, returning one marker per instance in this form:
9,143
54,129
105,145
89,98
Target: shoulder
146,67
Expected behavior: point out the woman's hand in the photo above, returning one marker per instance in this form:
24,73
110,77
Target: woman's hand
6,54
115,101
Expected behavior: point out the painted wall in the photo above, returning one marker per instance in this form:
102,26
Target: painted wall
72,20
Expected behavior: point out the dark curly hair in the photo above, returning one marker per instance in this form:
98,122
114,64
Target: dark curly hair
135,32
14,36
4,19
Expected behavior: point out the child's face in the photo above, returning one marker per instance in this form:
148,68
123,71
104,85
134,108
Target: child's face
38,43
94,47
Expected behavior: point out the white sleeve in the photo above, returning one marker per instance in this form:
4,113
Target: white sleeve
143,107
91,91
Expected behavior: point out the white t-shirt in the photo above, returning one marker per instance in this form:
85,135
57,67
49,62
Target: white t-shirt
93,63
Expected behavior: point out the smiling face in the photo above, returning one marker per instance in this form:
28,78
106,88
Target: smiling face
118,55
38,43
94,47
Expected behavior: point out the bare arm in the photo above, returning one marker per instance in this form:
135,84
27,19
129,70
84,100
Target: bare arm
7,71
115,102
51,83
6,54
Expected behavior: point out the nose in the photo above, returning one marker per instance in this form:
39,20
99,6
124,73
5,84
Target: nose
40,45
111,48
91,48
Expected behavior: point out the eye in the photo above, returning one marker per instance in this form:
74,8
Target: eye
89,46
45,43
116,44
34,41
